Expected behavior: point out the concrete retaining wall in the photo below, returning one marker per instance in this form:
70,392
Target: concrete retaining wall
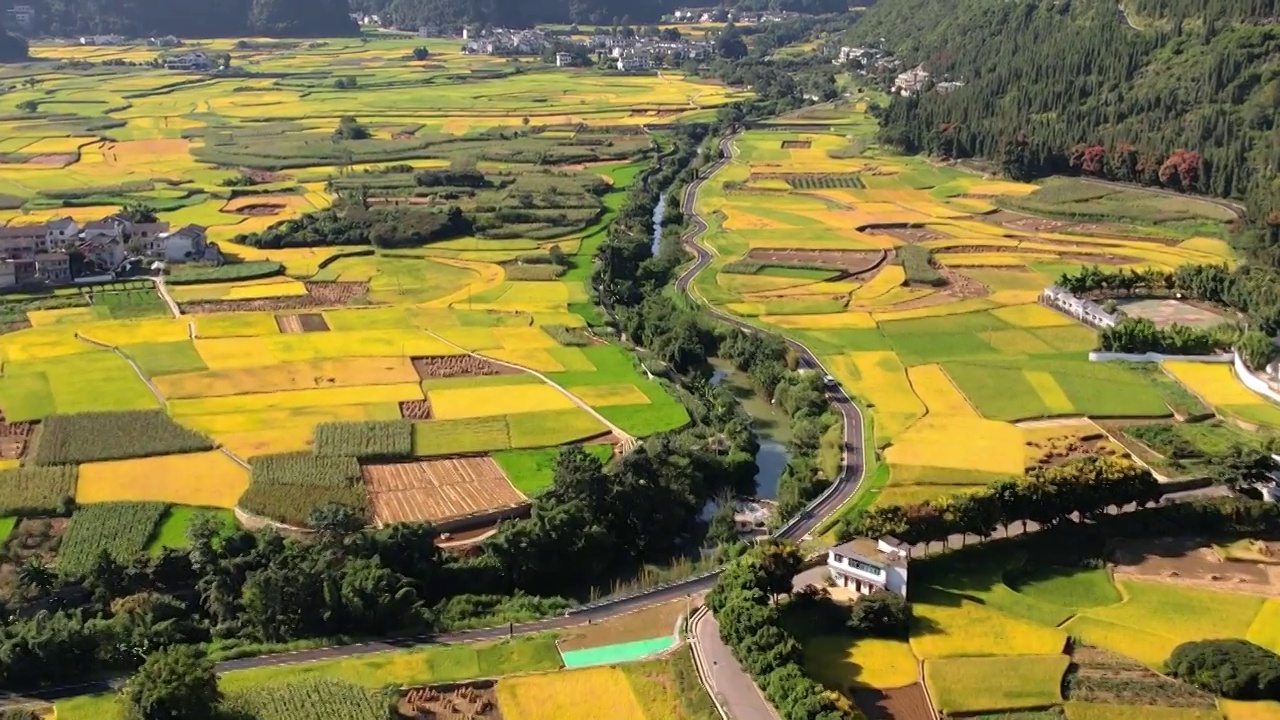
1097,356
1253,382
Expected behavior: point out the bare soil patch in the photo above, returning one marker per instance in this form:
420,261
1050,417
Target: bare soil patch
1192,562
415,409
905,233
14,438
263,176
458,366
905,703
319,295
796,144
852,262
1099,676
259,209
651,622
53,160
1061,449
962,286
439,490
475,700
302,323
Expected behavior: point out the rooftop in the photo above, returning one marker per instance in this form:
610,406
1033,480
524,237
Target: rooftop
868,549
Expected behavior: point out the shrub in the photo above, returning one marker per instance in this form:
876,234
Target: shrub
1235,669
568,336
881,614
917,265
37,490
94,436
374,439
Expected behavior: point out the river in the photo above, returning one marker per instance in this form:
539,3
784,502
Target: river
658,211
772,427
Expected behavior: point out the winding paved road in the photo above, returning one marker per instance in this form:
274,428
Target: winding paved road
725,671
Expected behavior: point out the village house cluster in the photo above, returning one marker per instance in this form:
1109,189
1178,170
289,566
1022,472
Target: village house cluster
20,17
628,54
42,253
875,61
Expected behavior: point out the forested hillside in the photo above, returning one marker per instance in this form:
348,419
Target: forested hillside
1082,85
12,47
414,13
196,18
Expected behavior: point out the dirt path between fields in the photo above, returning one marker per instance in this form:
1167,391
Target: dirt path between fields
627,442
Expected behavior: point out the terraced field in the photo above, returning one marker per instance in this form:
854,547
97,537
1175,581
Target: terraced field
944,342
275,384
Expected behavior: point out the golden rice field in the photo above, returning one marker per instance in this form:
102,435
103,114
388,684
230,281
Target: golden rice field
574,695
460,403
206,479
945,371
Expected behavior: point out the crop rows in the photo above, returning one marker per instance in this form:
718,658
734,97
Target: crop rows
291,486
121,529
917,264
94,436
304,469
372,439
308,699
36,490
825,182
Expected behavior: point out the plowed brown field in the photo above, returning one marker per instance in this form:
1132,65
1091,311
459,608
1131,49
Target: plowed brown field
438,490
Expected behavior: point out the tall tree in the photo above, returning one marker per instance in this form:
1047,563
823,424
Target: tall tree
176,683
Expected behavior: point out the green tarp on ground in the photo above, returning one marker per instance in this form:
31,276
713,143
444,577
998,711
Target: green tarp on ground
620,653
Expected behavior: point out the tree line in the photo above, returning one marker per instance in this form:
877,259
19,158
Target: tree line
452,14
1047,496
1251,290
195,18
1184,102
12,47
751,624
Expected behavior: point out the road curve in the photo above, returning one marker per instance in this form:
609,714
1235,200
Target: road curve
854,459
840,491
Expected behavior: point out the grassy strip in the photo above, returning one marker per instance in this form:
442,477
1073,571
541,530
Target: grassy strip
226,273
917,263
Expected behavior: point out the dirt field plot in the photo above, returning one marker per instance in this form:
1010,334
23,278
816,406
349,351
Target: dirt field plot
303,323
854,262
438,490
14,438
905,703
1169,312
904,233
319,295
462,701
458,366
651,622
797,144
415,410
1192,562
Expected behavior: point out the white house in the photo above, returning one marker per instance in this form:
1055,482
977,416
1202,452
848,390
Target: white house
21,16
189,243
633,63
863,566
1086,311
563,59
911,81
61,231
192,61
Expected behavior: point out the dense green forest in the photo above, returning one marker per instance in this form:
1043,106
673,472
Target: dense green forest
195,18
12,47
509,13
1177,93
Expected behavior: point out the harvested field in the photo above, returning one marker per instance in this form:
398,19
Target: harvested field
461,701
962,286
416,409
1192,562
905,233
905,703
853,262
14,438
797,144
30,538
458,366
438,490
319,295
303,323
1100,676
